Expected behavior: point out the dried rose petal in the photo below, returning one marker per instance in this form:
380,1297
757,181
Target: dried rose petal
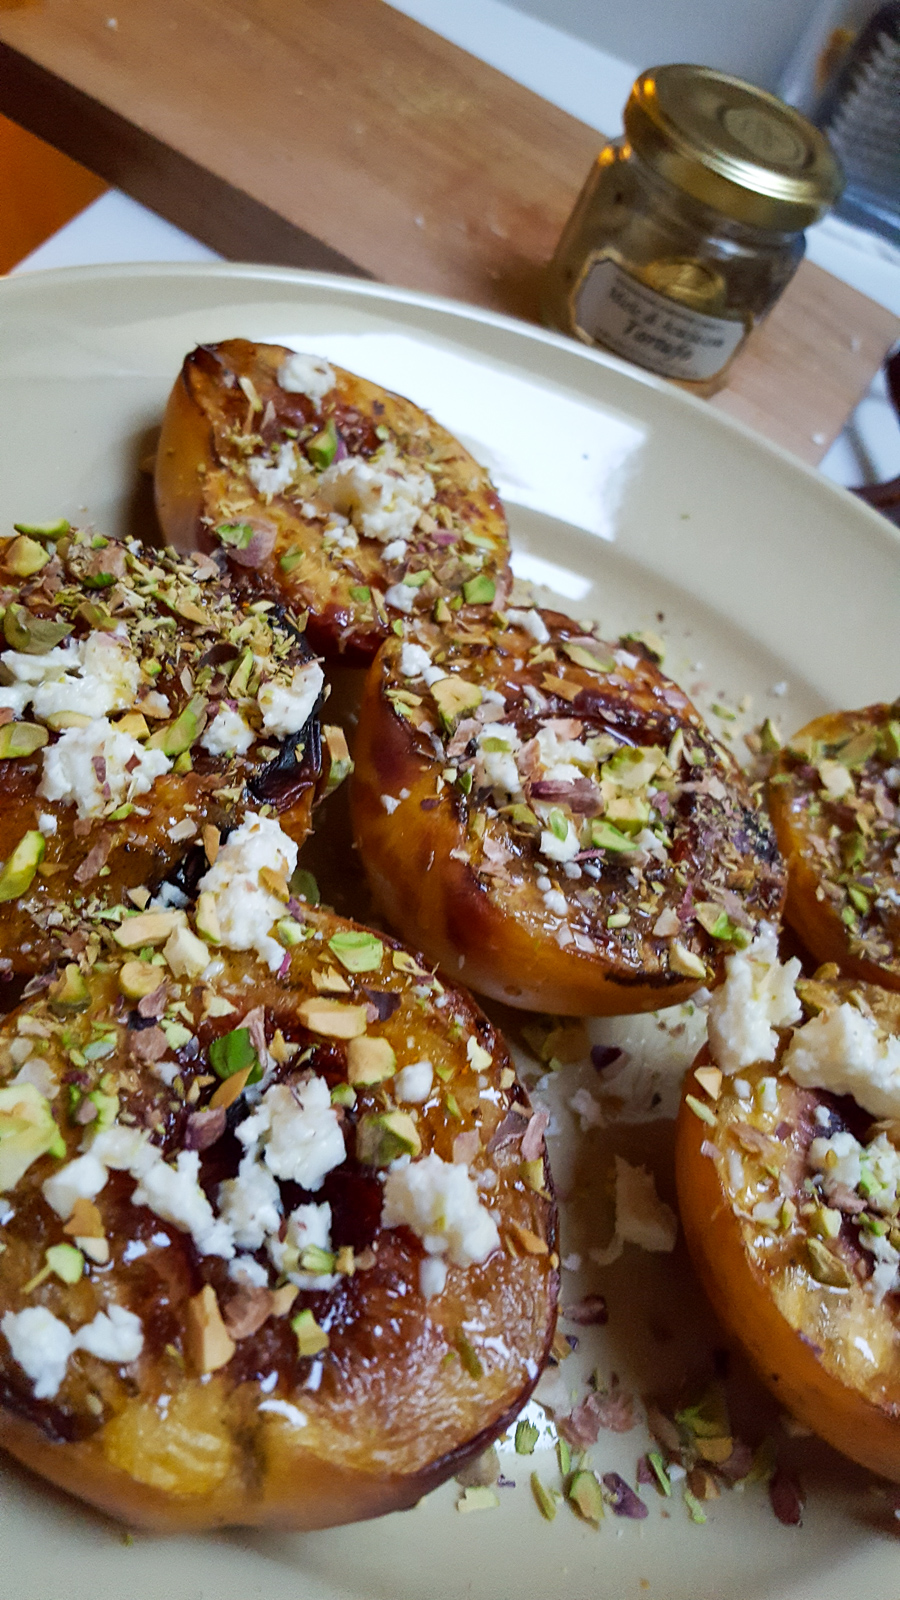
590,1312
786,1498
622,1498
604,1055
384,1002
204,1128
614,1411
533,1138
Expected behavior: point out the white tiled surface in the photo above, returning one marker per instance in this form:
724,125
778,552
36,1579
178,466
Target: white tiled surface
589,84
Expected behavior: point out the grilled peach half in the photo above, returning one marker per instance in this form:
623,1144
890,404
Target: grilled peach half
326,492
144,708
291,1300
834,799
798,1262
547,816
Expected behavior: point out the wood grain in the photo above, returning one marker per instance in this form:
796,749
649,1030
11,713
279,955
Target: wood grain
347,136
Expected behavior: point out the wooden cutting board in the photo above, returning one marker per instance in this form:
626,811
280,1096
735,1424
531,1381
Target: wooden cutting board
346,136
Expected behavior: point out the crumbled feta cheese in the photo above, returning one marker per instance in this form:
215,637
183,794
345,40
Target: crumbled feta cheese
309,1226
114,1335
560,849
47,824
270,477
641,1217
841,1051
124,1149
81,1179
756,997
401,597
532,621
286,711
390,803
432,1276
555,902
244,908
71,768
839,1156
41,1344
245,1269
108,677
250,1203
439,1201
227,734
309,375
395,551
383,497
299,1131
417,663
174,1193
412,1084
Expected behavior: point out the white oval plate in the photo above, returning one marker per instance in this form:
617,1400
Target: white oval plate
629,503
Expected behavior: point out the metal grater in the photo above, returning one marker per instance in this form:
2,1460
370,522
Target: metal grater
860,112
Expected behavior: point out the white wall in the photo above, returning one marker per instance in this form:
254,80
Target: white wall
752,38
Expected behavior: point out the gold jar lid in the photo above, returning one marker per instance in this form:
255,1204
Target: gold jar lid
739,150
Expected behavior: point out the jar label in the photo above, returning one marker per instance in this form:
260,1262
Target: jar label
616,310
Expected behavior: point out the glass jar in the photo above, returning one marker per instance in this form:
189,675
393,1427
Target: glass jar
691,225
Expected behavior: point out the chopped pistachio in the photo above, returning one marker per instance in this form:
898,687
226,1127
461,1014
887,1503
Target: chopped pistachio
370,1060
527,1436
480,590
21,739
32,636
683,960
21,866
584,1493
311,1339
454,697
24,557
604,836
382,1137
545,1501
322,447
44,530
291,558
178,736
361,593
704,1112
27,1130
333,1019
826,1267
235,534
357,950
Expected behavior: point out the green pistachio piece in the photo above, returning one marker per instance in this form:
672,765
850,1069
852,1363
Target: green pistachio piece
606,837
98,580
634,768
22,865
382,1137
44,530
584,657
357,950
24,557
178,736
584,1493
21,739
27,1131
859,749
479,591
321,448
107,1108
826,1267
235,534
65,1261
240,677
311,1339
769,738
454,697
32,635
304,886
557,824
315,1259
719,925
519,815
415,580
527,1436
343,1094
69,993
545,1501
890,741
361,593
289,933
233,1052
291,559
